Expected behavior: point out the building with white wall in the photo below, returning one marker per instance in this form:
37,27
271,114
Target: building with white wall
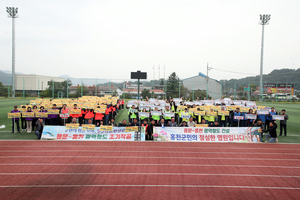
34,83
199,82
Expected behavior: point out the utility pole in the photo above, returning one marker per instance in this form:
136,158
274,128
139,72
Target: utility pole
264,19
13,13
208,68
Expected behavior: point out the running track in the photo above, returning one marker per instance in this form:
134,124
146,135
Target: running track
148,170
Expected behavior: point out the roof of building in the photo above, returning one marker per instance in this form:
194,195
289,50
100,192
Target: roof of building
93,87
202,75
135,90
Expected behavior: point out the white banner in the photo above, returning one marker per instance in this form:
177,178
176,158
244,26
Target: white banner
206,134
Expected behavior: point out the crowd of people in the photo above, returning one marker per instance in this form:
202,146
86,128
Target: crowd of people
163,113
186,114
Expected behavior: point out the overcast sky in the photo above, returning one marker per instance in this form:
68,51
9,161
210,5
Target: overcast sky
110,38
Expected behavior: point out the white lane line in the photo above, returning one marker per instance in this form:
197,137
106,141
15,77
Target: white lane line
171,186
135,157
49,151
184,165
99,146
148,174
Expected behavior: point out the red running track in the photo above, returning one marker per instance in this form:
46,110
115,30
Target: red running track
148,170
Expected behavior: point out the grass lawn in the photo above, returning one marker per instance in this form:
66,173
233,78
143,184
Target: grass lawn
293,124
6,105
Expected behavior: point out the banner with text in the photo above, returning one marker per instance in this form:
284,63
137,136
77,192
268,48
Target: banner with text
97,134
205,134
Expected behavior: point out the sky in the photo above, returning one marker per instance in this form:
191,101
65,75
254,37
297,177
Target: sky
107,39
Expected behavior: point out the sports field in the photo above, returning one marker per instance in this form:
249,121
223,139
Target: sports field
148,170
6,105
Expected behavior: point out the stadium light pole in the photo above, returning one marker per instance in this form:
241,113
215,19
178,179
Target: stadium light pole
207,78
13,13
264,19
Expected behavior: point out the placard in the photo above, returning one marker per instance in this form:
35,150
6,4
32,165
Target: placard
201,125
262,112
13,115
28,115
223,112
144,107
144,114
53,112
277,117
238,117
88,127
75,111
22,109
185,116
250,116
170,114
211,114
180,108
41,115
106,128
64,115
199,113
72,126
156,113
245,110
99,110
131,129
133,110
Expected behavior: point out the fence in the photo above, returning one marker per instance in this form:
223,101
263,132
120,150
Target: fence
56,87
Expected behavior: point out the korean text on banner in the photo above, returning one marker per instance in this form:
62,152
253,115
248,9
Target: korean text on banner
116,134
205,134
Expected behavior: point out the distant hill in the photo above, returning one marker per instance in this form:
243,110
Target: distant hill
5,78
276,76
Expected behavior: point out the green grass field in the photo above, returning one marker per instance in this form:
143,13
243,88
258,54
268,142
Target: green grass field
6,105
293,111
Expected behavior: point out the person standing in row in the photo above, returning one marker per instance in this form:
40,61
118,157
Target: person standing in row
42,110
23,122
15,120
65,112
53,117
29,121
283,122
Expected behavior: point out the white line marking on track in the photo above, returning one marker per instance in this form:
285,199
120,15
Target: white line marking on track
49,151
160,174
174,186
135,157
185,165
158,147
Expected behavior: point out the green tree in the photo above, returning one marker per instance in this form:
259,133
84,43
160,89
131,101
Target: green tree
252,88
184,92
146,93
58,86
3,89
173,85
85,90
199,94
